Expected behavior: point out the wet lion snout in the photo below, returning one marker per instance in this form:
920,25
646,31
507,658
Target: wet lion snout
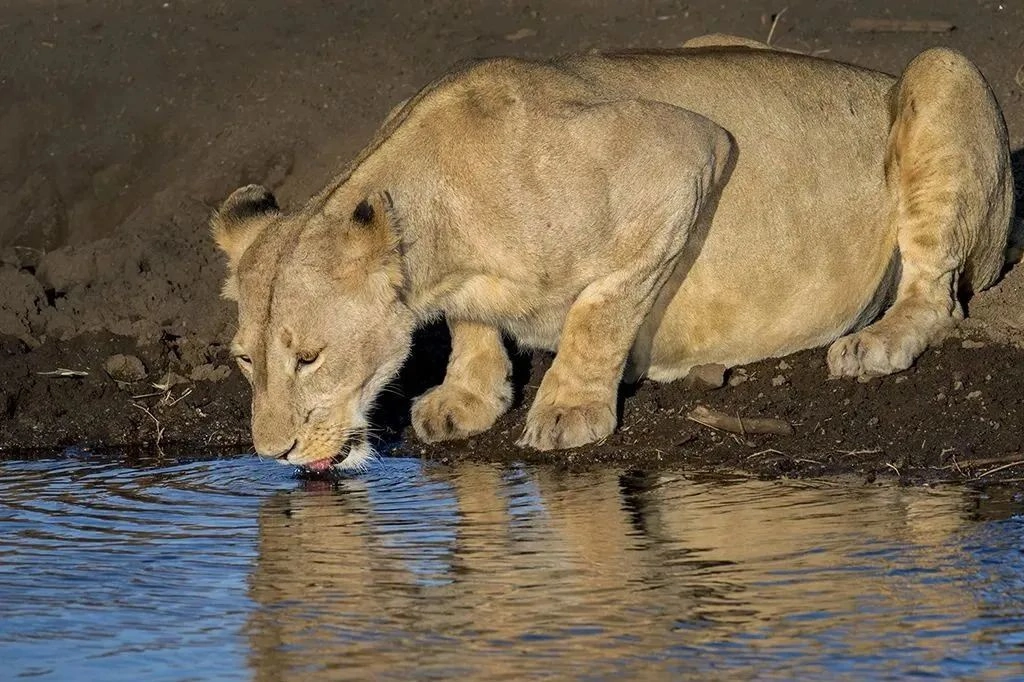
273,448
271,439
272,432
282,454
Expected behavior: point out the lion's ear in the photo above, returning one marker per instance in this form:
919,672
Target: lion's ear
371,243
373,210
241,217
236,224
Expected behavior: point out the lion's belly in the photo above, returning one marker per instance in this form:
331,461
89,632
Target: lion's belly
736,317
801,239
770,281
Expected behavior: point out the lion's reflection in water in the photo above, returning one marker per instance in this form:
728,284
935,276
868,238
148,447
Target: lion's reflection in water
479,570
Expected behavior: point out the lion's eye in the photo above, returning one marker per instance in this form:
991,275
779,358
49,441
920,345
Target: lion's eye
243,360
306,359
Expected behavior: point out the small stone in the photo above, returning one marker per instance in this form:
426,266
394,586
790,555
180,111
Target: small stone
900,380
126,368
783,365
780,380
210,372
520,34
940,396
737,377
706,377
958,385
873,421
969,343
974,395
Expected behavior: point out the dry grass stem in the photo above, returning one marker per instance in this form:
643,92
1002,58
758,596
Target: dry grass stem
63,373
769,451
775,22
185,394
852,453
998,468
159,429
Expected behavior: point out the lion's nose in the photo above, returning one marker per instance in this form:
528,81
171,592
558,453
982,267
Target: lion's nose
278,454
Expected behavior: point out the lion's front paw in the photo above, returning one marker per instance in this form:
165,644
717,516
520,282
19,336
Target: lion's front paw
452,412
555,426
869,353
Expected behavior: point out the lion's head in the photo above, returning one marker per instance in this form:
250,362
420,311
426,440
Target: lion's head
321,324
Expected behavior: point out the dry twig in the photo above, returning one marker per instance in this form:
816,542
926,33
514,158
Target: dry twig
726,422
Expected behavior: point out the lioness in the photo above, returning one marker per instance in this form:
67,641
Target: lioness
638,213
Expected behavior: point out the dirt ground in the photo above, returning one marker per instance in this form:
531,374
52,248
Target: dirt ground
123,124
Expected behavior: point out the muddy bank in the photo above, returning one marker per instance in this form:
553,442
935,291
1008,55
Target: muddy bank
121,127
77,393
954,416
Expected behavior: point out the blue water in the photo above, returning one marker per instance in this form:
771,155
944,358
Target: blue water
234,569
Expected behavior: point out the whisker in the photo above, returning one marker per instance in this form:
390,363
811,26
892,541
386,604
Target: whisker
393,390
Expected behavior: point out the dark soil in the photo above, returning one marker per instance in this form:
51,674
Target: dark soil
121,125
954,416
44,411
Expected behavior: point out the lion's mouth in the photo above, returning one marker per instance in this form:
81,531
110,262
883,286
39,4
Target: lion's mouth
351,455
323,465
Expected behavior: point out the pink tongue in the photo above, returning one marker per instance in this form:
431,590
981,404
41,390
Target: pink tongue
320,465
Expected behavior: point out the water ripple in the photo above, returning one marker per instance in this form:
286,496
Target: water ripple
234,568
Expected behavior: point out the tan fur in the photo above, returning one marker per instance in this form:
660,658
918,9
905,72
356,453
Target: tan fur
710,204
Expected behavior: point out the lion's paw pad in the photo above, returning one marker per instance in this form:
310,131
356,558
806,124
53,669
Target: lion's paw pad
451,413
867,354
553,427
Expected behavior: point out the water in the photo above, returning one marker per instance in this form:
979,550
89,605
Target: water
234,569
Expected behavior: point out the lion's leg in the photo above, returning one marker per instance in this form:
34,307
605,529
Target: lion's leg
948,167
476,388
576,401
674,161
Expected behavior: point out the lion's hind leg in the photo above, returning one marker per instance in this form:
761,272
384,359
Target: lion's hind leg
947,165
